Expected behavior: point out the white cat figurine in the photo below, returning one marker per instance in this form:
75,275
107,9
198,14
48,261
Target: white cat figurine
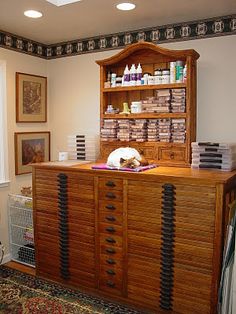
124,157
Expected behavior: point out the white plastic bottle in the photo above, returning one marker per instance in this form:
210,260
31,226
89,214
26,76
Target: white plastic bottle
139,72
185,74
133,75
126,80
172,72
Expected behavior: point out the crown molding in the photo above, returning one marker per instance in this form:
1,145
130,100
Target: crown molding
200,29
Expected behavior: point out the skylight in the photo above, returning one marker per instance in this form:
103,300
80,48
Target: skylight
59,3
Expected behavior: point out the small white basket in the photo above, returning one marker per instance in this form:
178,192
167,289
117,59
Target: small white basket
21,229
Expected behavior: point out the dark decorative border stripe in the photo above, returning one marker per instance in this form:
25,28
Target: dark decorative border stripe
21,44
63,226
167,246
212,27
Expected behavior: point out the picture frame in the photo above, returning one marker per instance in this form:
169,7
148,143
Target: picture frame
30,147
31,98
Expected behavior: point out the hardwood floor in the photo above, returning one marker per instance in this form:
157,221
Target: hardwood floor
21,267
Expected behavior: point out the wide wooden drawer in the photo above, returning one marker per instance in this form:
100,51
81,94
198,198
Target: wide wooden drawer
109,183
172,154
110,261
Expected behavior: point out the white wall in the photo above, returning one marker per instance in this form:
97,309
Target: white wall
16,62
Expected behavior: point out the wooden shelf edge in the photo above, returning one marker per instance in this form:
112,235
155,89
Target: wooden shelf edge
143,87
144,116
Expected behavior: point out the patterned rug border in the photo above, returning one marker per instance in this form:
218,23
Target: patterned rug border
59,291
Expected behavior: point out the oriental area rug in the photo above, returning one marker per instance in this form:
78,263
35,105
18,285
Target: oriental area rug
21,293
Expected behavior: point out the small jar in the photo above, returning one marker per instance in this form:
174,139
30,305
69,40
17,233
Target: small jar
136,107
151,80
113,80
157,77
165,76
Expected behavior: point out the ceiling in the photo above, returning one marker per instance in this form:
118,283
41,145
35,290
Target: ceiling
89,18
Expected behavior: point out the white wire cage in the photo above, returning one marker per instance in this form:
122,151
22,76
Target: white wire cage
21,229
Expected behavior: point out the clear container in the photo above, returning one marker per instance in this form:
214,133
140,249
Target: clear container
165,78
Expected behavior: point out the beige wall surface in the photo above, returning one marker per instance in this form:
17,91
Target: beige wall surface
74,92
16,62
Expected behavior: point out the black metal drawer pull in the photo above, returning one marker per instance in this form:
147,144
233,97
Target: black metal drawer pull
110,183
110,240
111,229
110,272
110,250
110,284
110,195
111,207
111,261
110,218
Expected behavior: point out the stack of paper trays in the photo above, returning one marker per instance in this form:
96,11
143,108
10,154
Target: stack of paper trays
210,155
83,147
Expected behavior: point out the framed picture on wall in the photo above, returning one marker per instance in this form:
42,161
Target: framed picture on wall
31,98
31,147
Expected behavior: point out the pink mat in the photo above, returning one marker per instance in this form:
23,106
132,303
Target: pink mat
138,169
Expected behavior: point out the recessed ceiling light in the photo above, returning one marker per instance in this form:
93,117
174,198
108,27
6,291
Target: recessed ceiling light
32,13
126,6
58,3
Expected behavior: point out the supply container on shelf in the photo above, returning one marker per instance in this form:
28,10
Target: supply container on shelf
21,229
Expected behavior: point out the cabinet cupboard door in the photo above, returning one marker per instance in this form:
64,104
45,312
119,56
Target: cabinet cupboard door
144,241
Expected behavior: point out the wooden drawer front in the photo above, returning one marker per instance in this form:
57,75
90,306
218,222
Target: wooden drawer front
113,252
111,286
111,271
79,278
195,297
110,240
144,280
110,262
82,260
110,195
77,228
46,224
109,184
171,154
48,264
111,207
47,206
110,229
110,217
79,217
50,248
146,149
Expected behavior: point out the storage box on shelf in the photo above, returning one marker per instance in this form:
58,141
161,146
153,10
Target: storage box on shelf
172,105
21,229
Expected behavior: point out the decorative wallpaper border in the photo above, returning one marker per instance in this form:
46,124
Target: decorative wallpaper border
212,27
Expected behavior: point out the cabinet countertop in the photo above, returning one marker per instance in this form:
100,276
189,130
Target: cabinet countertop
209,176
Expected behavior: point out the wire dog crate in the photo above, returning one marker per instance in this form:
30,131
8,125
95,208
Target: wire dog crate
21,229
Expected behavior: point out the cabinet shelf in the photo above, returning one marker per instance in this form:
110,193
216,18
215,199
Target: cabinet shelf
144,116
143,87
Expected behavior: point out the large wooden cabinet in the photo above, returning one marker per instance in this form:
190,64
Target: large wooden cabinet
151,57
152,240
